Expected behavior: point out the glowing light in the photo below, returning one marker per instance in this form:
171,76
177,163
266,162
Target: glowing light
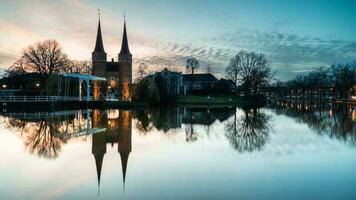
4,86
113,114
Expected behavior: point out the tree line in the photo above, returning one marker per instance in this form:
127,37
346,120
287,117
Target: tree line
335,81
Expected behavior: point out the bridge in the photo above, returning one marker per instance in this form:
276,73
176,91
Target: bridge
51,98
62,92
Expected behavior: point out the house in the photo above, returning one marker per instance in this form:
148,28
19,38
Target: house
173,81
224,86
198,83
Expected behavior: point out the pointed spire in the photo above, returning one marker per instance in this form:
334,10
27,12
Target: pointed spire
98,150
99,163
99,46
125,43
124,160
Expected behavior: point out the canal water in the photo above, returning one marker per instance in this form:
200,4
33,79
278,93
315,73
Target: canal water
283,151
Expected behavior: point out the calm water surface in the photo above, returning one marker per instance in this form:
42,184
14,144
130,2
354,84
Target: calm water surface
285,151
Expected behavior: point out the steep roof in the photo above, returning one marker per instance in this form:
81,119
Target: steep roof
99,46
125,43
228,82
199,77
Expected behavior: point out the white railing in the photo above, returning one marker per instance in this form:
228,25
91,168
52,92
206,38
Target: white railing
50,99
36,98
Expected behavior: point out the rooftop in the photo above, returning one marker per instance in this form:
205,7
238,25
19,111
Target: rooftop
199,77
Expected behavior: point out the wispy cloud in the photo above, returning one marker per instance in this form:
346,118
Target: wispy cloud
287,53
73,23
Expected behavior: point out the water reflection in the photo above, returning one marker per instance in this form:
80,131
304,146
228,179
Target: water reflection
250,131
44,133
118,132
335,120
226,131
172,118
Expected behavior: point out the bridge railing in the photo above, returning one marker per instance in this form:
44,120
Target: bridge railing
51,98
36,98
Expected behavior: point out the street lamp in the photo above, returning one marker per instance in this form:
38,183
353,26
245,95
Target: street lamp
4,86
37,85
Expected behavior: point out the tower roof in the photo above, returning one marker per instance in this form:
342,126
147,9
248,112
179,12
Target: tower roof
99,46
125,43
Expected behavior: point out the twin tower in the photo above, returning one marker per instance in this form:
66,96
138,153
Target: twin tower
118,74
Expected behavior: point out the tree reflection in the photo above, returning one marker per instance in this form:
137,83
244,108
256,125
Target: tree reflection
334,120
248,132
45,136
42,142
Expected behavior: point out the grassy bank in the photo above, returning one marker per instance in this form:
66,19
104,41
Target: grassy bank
219,101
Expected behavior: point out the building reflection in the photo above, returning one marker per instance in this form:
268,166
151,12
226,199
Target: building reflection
118,131
170,118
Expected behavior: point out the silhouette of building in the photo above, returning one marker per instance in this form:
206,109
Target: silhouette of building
173,81
225,86
118,74
198,82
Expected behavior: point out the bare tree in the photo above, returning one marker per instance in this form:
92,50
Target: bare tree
192,65
344,78
141,72
45,58
83,67
232,71
19,67
251,69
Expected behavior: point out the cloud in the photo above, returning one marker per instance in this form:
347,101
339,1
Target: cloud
288,53
74,22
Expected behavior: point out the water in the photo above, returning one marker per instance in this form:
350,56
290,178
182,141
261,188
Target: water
285,151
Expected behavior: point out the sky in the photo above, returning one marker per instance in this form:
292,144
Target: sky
295,35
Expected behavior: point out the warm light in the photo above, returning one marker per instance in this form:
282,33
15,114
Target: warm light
353,115
4,86
353,97
113,114
109,87
37,85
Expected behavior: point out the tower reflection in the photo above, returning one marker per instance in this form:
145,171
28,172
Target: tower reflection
118,131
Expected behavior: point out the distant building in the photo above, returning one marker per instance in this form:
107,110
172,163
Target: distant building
118,74
198,83
225,86
173,81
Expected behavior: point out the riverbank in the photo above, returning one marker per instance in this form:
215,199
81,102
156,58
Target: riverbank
68,105
323,100
218,101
